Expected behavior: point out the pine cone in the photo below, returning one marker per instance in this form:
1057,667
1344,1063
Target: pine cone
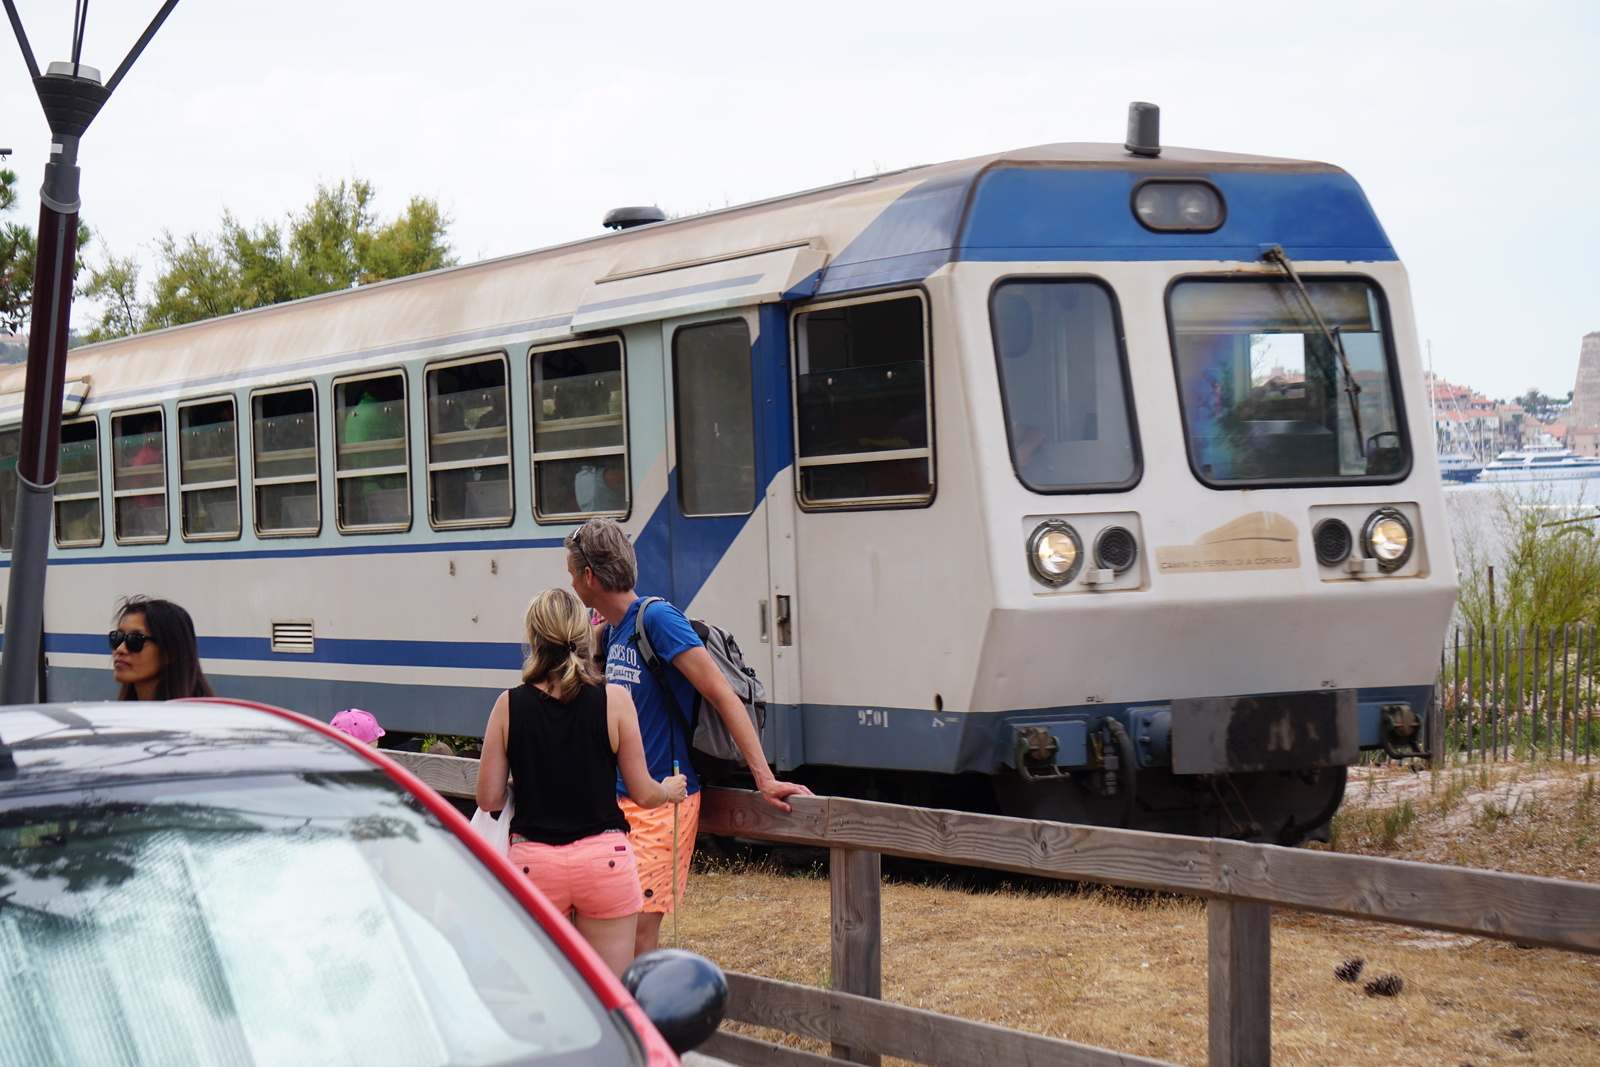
1350,969
1385,985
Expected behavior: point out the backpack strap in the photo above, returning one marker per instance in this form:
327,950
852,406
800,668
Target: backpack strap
647,652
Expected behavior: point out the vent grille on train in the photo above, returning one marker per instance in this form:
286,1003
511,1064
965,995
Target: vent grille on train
1332,540
293,637
1116,548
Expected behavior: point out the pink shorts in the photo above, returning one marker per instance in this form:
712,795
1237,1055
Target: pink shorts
596,875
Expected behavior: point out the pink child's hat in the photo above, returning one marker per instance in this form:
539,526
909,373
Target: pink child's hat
358,724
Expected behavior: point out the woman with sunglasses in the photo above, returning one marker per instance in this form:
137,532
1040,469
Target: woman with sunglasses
564,735
154,654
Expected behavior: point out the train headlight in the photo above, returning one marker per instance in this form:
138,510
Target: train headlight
1178,206
1055,552
1387,538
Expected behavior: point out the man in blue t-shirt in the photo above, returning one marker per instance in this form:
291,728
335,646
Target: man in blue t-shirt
601,562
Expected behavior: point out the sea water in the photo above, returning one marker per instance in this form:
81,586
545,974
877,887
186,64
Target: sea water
1474,511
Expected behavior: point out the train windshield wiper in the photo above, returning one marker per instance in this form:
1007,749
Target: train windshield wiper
1352,388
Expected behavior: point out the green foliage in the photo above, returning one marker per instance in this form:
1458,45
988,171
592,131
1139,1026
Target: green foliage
1396,821
335,242
1539,405
116,287
18,260
198,283
1551,576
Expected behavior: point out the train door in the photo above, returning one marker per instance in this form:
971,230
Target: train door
728,430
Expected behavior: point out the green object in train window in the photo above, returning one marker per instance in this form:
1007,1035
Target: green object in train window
370,459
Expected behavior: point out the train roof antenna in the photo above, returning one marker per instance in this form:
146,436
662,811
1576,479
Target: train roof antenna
1144,129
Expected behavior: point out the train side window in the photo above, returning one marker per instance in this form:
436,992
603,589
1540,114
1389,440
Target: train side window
77,498
469,444
863,404
370,467
284,461
1064,381
10,447
139,476
713,409
580,440
208,470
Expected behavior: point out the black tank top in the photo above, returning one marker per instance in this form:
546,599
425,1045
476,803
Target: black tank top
562,766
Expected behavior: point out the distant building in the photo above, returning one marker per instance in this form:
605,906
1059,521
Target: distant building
1463,420
1583,442
1584,414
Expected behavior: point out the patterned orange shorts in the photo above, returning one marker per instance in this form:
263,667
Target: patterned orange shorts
651,837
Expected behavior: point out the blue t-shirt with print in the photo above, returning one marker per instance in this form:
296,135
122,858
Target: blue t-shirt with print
670,634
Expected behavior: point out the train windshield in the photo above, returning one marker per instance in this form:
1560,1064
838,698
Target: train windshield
1272,395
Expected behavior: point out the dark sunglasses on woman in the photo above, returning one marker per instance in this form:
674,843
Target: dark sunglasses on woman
134,641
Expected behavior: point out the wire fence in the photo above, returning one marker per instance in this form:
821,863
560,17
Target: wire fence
1510,692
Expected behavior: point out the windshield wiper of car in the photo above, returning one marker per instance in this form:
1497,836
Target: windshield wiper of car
1352,388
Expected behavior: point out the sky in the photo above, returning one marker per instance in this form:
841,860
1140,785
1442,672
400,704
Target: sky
1473,126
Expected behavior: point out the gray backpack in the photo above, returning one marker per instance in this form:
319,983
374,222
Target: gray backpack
710,733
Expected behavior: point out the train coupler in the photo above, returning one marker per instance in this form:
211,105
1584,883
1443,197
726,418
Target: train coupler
1402,732
1036,752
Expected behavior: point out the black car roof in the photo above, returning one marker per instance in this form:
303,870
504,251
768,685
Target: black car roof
78,746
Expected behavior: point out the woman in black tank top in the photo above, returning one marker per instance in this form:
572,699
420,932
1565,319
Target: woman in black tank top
564,736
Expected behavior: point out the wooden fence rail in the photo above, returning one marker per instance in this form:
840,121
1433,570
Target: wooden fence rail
1240,882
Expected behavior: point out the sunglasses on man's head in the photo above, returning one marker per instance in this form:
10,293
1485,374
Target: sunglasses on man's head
134,641
575,540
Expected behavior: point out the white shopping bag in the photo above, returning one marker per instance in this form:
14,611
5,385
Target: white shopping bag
495,831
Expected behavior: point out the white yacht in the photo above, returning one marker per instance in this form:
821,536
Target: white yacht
1541,463
1459,467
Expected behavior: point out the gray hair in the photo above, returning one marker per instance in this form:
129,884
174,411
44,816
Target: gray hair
602,547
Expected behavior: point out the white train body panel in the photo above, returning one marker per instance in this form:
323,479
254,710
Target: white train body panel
879,578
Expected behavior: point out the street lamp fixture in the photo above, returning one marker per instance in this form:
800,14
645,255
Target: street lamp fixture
72,95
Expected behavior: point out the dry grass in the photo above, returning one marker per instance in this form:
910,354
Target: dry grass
1127,971
1539,817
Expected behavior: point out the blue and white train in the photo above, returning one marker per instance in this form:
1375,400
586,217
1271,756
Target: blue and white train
1084,481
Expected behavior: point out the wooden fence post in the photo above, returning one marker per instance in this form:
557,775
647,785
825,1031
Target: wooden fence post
1239,976
855,891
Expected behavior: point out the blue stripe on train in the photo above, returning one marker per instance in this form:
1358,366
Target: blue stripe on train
1044,215
823,735
502,655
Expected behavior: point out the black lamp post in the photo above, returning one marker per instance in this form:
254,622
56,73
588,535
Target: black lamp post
72,96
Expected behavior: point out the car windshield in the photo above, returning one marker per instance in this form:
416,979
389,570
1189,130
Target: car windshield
314,918
1270,396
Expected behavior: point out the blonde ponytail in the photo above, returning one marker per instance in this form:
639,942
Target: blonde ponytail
559,639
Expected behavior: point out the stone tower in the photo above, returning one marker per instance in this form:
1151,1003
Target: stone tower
1585,411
